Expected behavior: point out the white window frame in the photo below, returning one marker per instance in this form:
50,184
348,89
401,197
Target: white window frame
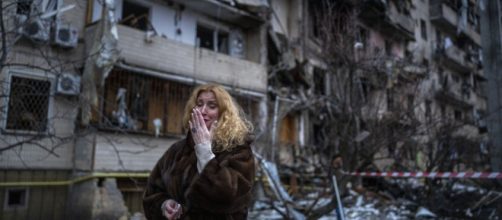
216,29
6,206
31,74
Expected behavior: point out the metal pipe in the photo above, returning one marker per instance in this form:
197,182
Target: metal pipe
76,180
338,200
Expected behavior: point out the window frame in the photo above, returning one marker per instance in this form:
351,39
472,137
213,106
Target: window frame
217,31
24,206
29,74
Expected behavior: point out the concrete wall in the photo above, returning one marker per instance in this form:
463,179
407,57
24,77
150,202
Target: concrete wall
61,115
179,58
43,202
128,152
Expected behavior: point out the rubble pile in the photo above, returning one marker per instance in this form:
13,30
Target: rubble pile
398,199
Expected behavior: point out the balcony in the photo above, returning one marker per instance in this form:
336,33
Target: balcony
446,95
169,56
390,22
455,59
445,17
466,129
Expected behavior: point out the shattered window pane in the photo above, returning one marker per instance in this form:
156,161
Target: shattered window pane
205,36
28,104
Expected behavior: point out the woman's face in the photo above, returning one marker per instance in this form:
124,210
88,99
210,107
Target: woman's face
206,103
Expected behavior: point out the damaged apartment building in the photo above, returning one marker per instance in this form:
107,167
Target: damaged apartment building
416,93
85,120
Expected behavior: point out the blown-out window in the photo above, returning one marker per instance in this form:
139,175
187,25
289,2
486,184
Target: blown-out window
136,15
212,39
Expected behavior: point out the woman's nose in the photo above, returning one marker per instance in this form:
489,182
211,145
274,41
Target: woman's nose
203,109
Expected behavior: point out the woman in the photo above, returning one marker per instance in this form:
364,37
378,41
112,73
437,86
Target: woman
209,174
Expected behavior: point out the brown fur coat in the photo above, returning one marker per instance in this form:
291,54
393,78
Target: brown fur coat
222,190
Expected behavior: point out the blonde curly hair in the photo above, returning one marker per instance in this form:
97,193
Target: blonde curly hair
233,128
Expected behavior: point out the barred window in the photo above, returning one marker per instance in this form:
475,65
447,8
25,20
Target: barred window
136,102
28,104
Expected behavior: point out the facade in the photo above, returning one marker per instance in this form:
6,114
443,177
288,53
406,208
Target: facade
424,95
136,66
454,29
38,110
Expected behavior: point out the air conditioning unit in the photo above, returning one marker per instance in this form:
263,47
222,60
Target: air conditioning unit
37,30
68,84
65,35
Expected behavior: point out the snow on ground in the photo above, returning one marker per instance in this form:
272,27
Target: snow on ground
363,207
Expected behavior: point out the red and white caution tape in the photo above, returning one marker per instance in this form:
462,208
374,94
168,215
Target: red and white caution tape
459,175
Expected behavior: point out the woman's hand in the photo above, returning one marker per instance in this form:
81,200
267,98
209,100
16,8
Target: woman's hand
200,133
171,209
202,139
